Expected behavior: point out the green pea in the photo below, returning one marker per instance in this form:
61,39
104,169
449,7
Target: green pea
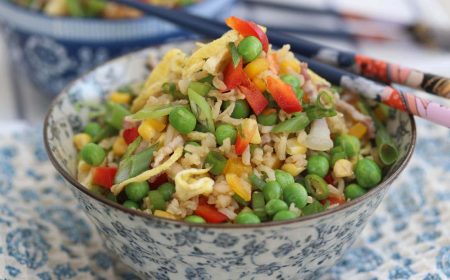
182,120
274,206
247,218
92,129
194,219
157,201
225,131
272,190
249,48
216,161
291,80
350,143
167,190
354,191
337,153
137,191
284,178
268,119
318,165
295,193
261,213
256,181
316,186
368,173
284,215
200,88
313,208
241,109
131,204
93,154
111,197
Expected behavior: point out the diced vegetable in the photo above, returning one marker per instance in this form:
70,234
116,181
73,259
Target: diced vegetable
248,28
104,176
283,95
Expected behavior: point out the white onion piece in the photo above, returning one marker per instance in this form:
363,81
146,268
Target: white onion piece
319,138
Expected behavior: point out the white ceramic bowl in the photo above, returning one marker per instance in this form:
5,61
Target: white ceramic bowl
157,248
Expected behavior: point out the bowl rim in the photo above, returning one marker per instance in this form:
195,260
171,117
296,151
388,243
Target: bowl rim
34,13
74,182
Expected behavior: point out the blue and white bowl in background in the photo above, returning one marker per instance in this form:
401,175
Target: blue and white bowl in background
55,50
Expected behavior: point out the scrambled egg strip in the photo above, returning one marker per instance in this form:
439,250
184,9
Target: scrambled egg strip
116,189
187,186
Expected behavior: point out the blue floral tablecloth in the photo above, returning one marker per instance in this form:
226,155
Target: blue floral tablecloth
45,235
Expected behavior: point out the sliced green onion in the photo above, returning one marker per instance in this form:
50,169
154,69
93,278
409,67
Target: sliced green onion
235,56
154,112
325,100
200,88
258,201
201,108
132,147
313,208
316,186
141,161
239,200
115,113
294,124
105,132
74,8
216,161
316,112
256,181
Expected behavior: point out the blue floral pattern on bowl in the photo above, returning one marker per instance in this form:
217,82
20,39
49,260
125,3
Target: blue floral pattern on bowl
55,51
157,248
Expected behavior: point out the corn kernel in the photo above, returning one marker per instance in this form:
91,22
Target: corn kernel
290,65
120,146
260,84
146,131
358,130
157,124
256,67
164,214
292,169
120,98
294,148
81,139
343,168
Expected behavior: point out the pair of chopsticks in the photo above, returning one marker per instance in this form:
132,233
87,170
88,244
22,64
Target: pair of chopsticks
312,53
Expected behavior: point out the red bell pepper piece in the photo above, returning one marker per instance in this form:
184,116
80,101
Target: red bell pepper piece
209,213
234,77
158,180
248,28
334,200
284,95
130,135
328,178
242,141
254,97
104,176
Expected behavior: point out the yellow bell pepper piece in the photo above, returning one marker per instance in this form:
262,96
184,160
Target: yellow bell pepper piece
260,84
294,148
235,166
290,65
120,146
358,130
149,128
256,67
292,169
81,139
240,186
252,125
164,214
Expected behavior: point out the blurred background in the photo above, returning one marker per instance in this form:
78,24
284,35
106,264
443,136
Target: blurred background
40,54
